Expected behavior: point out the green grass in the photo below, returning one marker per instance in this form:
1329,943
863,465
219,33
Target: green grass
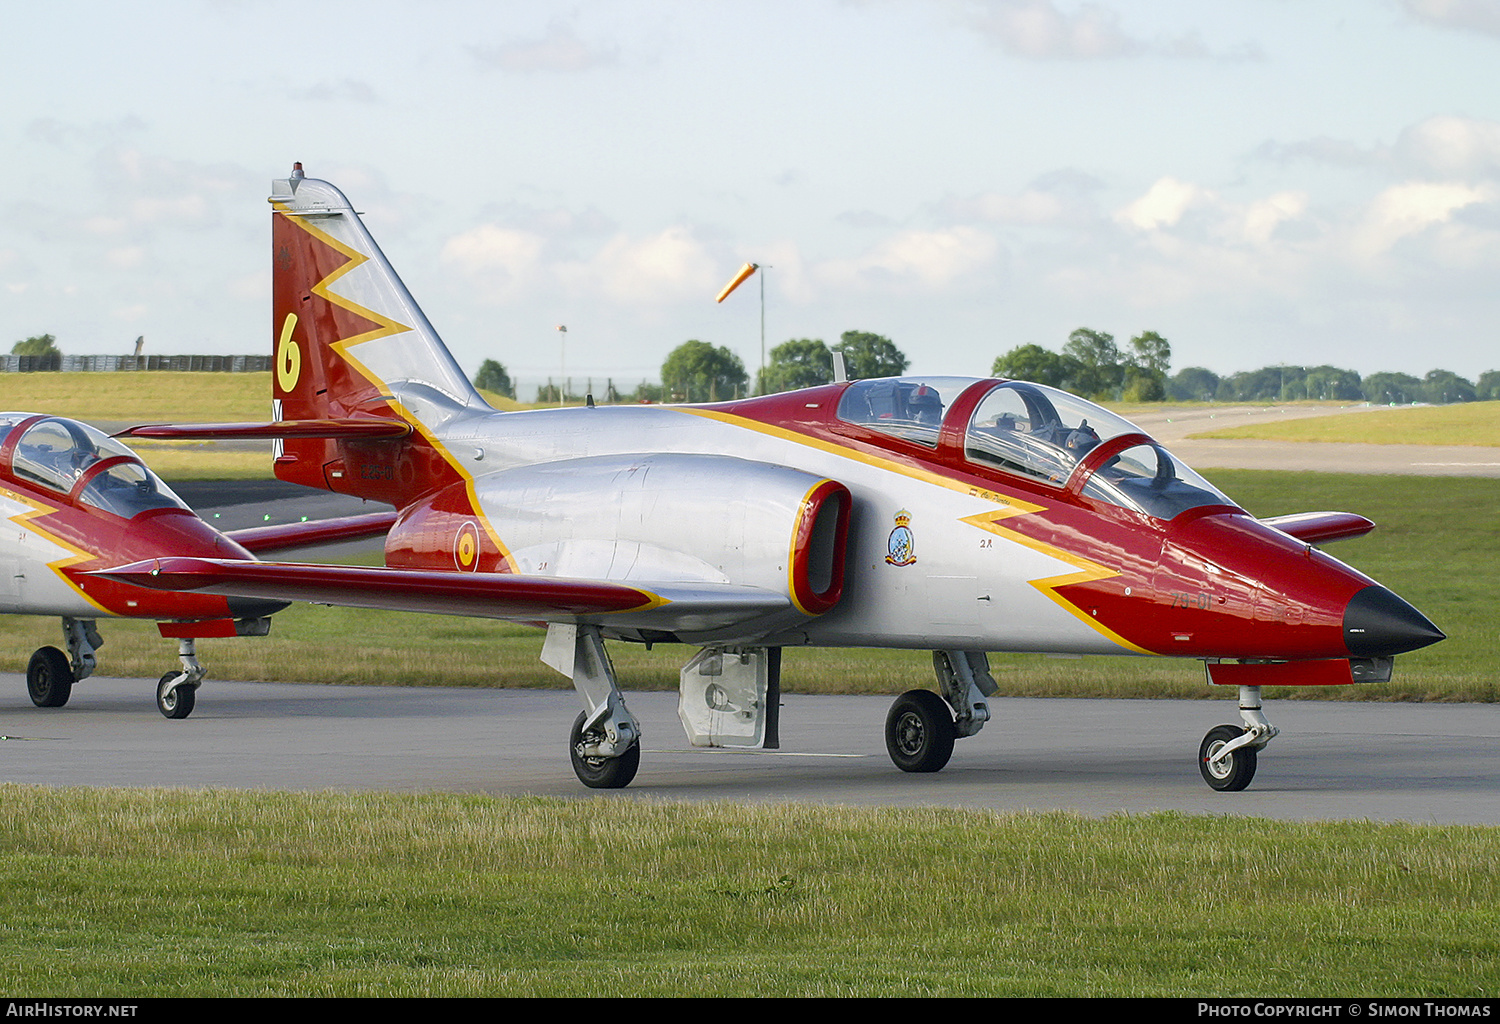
1472,423
122,894
140,397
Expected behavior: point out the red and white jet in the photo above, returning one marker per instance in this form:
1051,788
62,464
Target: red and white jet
75,500
950,514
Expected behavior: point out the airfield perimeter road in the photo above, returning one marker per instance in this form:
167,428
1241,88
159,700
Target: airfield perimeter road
1425,763
1335,760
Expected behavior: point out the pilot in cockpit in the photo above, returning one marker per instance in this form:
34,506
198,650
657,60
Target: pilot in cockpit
925,406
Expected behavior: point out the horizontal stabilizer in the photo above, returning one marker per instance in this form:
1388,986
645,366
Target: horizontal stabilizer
363,430
1321,527
672,607
320,531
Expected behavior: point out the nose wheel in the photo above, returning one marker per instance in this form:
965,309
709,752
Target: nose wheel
1229,772
1227,755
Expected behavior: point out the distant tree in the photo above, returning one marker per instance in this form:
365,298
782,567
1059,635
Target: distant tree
797,363
1441,387
1193,384
1146,368
492,377
1101,372
1326,382
37,345
648,392
1487,388
42,349
697,371
869,355
1038,365
1392,388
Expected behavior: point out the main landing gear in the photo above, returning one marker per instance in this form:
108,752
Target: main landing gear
922,726
605,741
1227,755
51,674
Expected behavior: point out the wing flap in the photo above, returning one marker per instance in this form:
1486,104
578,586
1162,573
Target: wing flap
687,607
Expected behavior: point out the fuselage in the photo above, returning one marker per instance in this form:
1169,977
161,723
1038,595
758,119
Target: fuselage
1055,527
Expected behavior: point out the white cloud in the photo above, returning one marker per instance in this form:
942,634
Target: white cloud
1472,15
931,260
671,264
126,257
1036,28
1409,209
1163,205
1451,147
502,256
561,49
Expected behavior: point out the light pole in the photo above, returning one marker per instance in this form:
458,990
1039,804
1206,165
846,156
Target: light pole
562,346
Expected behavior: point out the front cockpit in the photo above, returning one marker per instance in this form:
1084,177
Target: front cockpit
1037,433
81,463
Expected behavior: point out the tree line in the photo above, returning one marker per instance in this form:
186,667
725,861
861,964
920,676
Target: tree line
1091,364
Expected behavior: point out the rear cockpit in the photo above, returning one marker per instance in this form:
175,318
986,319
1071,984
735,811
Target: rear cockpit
1037,433
80,463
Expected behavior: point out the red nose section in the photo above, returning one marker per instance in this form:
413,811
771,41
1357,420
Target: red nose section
1231,587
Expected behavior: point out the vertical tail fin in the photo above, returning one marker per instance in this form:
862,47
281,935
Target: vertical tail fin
351,342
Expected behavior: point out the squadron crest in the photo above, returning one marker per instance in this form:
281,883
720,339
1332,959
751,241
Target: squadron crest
901,547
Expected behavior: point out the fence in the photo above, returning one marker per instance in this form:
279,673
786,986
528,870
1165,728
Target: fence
107,364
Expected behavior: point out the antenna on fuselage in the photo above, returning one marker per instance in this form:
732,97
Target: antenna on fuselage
840,373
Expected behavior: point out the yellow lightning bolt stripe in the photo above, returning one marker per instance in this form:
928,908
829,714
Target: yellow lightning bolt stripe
24,521
1087,571
387,328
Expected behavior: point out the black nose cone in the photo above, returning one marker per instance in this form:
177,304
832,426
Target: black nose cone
1378,624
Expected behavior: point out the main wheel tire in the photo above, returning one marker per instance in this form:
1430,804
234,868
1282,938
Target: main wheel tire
49,678
176,703
919,732
1234,772
601,772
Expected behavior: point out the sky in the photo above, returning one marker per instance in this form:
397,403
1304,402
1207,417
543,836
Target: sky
1259,181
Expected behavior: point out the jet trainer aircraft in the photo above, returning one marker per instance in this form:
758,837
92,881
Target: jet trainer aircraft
949,514
74,500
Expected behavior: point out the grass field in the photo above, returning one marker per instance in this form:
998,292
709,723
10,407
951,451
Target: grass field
161,893
1471,423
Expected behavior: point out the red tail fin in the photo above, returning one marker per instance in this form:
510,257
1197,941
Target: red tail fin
351,343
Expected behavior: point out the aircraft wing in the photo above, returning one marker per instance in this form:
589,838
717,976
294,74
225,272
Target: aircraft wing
358,430
319,531
674,607
1320,527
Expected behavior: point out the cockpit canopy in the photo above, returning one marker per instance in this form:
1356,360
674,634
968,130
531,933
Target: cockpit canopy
67,456
1038,433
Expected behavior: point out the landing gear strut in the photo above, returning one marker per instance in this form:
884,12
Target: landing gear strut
604,743
921,726
177,692
51,674
1227,755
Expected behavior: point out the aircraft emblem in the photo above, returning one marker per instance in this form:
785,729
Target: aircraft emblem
901,548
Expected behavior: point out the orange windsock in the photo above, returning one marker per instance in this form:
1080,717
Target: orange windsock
739,279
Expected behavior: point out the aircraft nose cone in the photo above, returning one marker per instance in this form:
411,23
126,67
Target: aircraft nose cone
1378,624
